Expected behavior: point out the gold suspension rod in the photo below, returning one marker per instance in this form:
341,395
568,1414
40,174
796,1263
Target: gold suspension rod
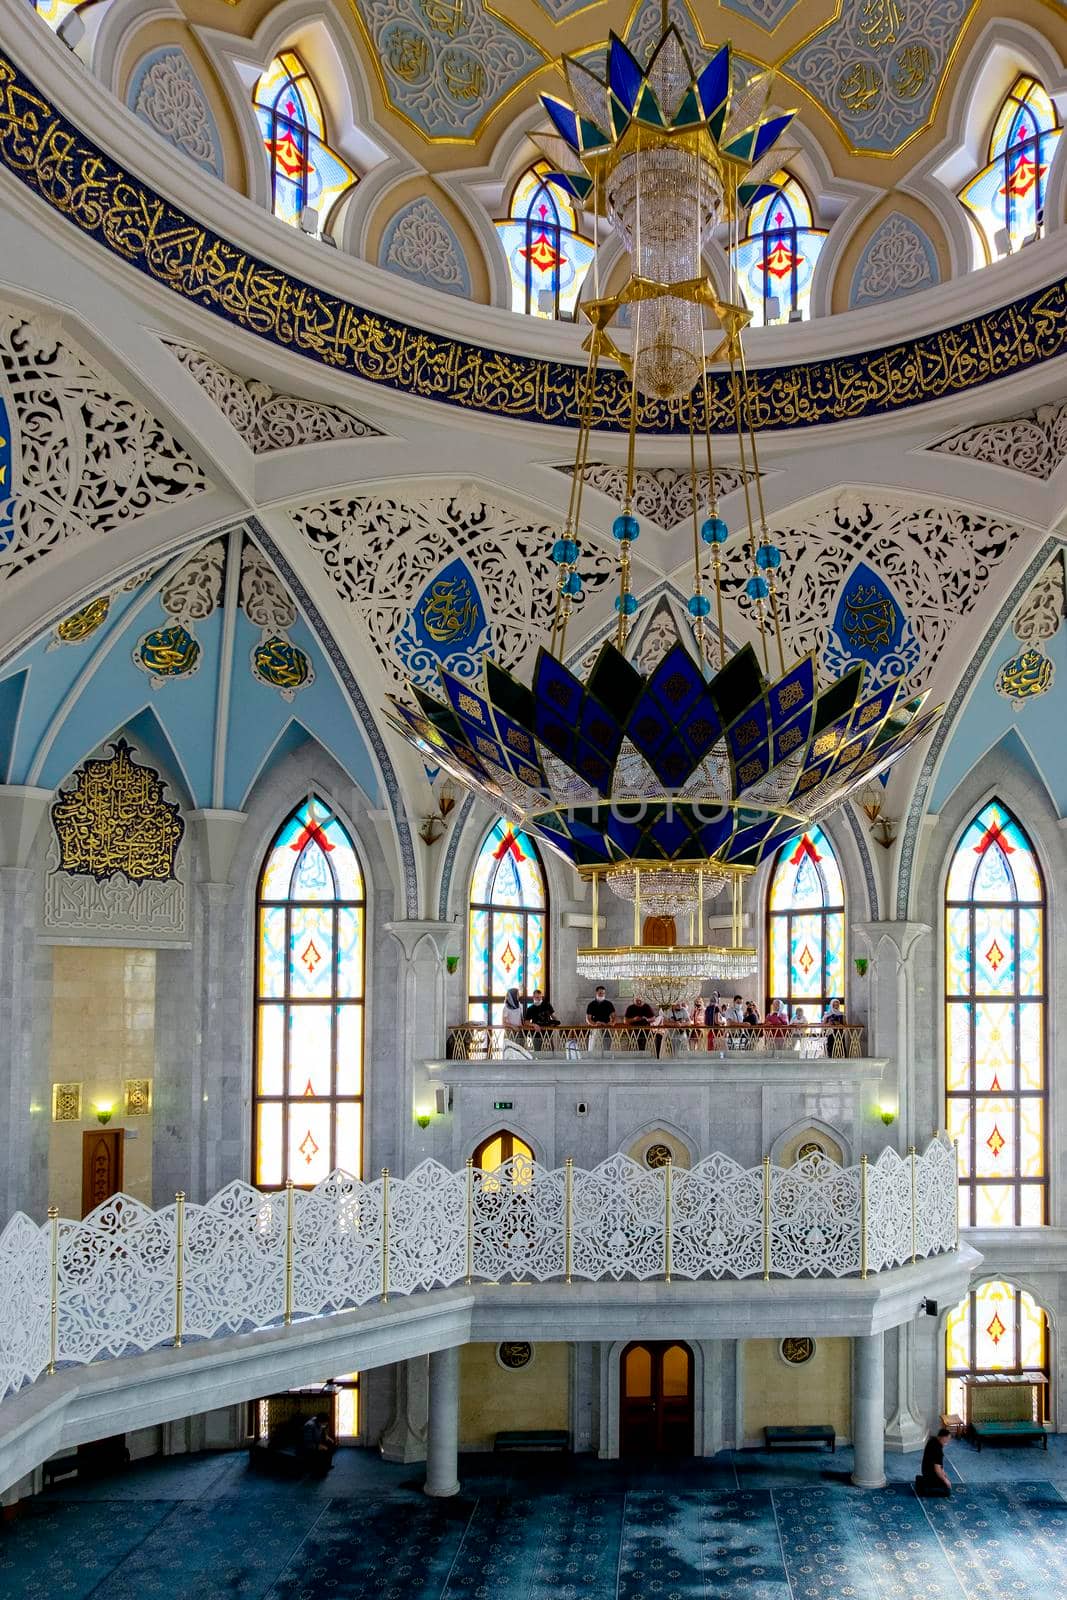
764,538
736,387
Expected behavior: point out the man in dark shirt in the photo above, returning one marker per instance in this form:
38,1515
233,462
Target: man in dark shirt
599,1013
539,1012
933,1479
638,1015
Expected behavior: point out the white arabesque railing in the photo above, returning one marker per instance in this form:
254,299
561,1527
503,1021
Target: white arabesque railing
127,1279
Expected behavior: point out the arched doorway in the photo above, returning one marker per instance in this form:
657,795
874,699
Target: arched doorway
656,1400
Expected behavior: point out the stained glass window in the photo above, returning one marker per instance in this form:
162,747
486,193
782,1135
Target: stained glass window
775,261
995,1022
547,255
308,1102
508,934
997,1328
806,927
304,171
54,11
1008,195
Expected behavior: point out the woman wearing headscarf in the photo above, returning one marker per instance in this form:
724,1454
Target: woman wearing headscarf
512,1015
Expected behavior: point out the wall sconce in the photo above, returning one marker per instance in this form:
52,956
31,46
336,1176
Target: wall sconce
861,963
432,827
451,962
883,828
887,1114
422,1116
104,1110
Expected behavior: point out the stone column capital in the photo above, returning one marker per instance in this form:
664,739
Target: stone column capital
22,809
898,938
441,937
219,832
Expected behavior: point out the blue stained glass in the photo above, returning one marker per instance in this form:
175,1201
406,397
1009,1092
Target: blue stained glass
806,926
777,258
547,255
304,169
506,930
1007,197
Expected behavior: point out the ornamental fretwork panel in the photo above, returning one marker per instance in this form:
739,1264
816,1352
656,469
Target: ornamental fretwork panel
250,1259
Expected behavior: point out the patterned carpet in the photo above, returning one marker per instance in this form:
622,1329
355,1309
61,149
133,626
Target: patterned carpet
744,1526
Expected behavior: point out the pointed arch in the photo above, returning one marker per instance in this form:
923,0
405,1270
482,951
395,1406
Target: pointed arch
309,1002
996,1096
775,261
507,941
547,254
1005,200
806,926
304,169
997,1327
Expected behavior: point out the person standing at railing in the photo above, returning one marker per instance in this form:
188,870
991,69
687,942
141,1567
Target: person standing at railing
673,1036
638,1018
834,1023
541,1018
697,1037
776,1023
512,1017
599,1014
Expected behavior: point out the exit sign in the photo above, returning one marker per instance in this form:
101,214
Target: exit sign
503,1105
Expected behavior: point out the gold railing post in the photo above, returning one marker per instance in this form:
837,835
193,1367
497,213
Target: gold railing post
179,1267
385,1235
914,1209
864,1164
290,1200
766,1218
668,1172
469,1277
568,1218
53,1273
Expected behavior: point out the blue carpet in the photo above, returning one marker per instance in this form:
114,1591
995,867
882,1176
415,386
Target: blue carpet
745,1526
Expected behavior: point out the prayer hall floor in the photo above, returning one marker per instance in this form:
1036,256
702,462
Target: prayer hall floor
744,1524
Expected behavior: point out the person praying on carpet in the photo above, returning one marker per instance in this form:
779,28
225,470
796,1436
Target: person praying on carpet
933,1480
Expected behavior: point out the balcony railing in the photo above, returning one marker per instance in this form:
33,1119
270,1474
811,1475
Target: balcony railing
803,1041
127,1279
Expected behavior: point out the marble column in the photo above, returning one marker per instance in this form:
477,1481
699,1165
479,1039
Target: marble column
425,993
25,1092
404,1438
442,1435
868,1410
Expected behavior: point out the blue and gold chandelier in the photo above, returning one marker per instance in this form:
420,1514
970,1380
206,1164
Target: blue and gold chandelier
670,785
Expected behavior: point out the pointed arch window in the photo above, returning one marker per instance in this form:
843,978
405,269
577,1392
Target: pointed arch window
1006,199
775,261
304,170
995,1071
308,1100
806,926
508,933
547,254
997,1328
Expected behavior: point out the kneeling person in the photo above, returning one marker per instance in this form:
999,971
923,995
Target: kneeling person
933,1479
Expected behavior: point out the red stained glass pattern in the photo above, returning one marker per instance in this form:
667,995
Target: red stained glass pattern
507,932
996,1329
806,927
995,1022
309,1002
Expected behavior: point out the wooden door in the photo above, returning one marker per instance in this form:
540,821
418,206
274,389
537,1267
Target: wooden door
660,932
101,1166
656,1400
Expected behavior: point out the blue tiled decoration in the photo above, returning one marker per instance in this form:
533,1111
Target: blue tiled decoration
899,258
165,92
869,625
446,627
419,243
444,64
876,68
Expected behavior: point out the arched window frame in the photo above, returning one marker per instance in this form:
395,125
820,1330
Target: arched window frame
541,227
305,170
780,230
973,1341
1025,133
786,927
334,1067
971,1104
511,1145
484,1002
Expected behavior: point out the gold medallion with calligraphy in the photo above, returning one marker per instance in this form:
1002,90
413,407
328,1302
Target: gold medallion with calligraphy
115,819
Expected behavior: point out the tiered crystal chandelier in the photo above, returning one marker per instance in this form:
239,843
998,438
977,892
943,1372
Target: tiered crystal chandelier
666,786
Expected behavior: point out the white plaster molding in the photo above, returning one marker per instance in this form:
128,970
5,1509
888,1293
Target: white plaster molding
219,831
23,809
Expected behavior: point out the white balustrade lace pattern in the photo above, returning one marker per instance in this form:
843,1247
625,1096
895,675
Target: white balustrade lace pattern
249,1260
